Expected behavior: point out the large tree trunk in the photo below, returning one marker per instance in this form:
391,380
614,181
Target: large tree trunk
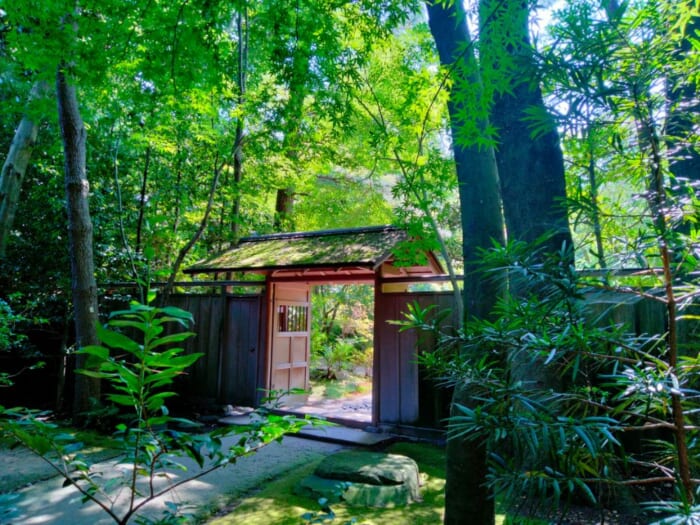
467,499
284,209
531,168
297,76
83,286
142,200
15,167
681,136
167,290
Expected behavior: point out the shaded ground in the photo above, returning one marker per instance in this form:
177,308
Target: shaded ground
230,491
48,502
21,468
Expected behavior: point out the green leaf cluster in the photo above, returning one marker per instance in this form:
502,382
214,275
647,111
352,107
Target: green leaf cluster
572,405
137,371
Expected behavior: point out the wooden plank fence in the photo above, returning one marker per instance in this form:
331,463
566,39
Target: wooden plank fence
403,393
230,340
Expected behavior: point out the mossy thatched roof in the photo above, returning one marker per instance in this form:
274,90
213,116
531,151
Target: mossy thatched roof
359,247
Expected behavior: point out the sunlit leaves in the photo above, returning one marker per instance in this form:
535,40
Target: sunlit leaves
150,365
621,84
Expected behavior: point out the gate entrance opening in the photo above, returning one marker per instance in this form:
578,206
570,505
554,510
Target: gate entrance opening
340,357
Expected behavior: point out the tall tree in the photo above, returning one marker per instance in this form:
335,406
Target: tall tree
467,499
15,166
530,160
293,53
83,285
683,103
241,80
48,41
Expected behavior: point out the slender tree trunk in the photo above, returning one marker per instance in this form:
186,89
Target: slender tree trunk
659,207
83,285
178,192
15,167
122,231
595,206
467,499
63,362
142,201
237,179
165,296
242,29
531,169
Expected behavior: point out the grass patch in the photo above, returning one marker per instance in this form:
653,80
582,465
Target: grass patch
339,388
276,503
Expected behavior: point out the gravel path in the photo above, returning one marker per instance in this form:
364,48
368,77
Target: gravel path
47,502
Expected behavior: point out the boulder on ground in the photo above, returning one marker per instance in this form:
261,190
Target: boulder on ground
371,479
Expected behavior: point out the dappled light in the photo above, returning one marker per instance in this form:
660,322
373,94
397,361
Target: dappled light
468,226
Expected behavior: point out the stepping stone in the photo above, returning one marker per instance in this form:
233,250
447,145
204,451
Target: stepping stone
361,478
344,435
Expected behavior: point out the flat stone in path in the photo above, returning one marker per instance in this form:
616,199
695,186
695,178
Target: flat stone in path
362,478
345,435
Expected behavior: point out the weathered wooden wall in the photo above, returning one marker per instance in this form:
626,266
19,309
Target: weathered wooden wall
229,338
639,315
403,394
243,359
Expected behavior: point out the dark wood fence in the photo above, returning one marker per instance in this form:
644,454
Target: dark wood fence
229,338
403,393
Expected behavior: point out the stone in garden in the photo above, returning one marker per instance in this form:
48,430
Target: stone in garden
360,478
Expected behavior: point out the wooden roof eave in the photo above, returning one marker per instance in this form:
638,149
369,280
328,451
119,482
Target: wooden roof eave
369,266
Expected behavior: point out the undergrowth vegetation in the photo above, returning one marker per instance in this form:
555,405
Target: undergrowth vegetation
575,407
138,363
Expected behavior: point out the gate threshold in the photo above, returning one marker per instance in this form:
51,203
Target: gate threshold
345,435
332,433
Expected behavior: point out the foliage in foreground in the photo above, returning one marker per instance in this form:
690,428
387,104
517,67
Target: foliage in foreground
153,444
573,406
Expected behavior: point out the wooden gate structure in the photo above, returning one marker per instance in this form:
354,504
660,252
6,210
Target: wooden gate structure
254,335
258,342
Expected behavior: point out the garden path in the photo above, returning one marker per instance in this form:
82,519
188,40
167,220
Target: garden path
48,502
355,408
